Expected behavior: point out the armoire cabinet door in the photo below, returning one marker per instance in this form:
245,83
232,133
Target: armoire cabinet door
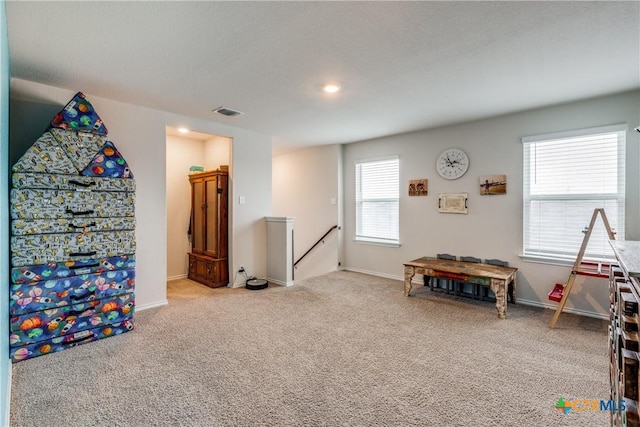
223,223
212,219
209,240
197,224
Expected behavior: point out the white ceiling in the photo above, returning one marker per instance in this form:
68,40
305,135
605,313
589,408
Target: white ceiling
403,66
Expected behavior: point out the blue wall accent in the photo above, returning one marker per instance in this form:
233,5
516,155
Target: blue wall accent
5,387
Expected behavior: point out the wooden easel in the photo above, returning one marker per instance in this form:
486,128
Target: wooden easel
594,269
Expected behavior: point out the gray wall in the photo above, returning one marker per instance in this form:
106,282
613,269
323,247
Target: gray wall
493,226
305,185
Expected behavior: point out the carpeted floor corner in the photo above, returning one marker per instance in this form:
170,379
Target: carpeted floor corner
339,349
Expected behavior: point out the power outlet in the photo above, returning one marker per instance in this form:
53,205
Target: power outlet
241,270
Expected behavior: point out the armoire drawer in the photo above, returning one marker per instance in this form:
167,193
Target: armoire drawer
209,271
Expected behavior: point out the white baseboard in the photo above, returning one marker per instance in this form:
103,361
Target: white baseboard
518,300
279,282
375,273
178,277
151,305
564,310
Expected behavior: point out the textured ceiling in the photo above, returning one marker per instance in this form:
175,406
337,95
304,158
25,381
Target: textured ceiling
403,66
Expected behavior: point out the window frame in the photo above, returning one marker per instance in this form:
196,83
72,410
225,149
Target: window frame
375,240
567,258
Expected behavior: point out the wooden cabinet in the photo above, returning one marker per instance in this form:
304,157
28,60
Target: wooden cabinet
624,298
209,228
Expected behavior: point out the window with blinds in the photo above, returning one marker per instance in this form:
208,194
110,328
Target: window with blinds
377,201
566,176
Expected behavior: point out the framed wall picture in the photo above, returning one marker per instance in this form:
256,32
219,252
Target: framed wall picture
453,203
418,187
493,184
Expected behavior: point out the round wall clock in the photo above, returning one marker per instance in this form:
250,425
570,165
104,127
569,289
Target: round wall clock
452,163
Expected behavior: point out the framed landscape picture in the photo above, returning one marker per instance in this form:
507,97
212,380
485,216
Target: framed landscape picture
493,184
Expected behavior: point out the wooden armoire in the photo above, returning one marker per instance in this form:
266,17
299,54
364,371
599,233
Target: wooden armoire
208,262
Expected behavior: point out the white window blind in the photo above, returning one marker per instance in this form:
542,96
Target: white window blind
377,201
566,176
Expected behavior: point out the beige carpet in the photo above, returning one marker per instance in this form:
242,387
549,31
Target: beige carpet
340,349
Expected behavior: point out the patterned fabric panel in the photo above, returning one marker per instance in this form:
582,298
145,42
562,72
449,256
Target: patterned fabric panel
79,114
41,325
67,341
80,147
71,182
45,156
57,270
48,248
23,227
28,203
108,163
54,293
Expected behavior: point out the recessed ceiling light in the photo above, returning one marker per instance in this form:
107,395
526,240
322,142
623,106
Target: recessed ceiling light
331,88
183,130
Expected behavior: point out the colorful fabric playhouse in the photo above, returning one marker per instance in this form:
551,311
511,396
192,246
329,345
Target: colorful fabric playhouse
72,237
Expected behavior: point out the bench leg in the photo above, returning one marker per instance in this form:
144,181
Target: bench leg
511,292
498,288
409,272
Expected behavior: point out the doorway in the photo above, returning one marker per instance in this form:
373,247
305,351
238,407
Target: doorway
186,151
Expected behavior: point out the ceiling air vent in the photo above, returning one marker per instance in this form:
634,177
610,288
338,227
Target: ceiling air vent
227,112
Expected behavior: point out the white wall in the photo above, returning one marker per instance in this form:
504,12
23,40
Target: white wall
250,173
182,153
217,152
493,227
249,163
139,133
304,184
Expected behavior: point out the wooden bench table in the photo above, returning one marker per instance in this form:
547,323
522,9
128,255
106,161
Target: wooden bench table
496,277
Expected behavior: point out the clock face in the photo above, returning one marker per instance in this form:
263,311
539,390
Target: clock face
452,163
